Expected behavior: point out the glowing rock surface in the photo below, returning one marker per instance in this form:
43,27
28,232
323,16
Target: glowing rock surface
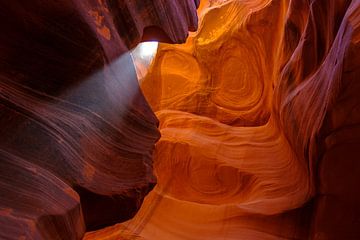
259,126
77,135
258,113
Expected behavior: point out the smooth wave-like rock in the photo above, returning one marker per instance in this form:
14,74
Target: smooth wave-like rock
77,135
259,126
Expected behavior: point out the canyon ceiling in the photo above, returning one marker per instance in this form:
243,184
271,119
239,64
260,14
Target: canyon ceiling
246,127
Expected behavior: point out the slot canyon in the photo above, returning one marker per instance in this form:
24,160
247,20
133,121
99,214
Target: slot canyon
180,119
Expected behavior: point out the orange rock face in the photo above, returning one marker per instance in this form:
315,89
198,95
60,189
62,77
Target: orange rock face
76,133
258,113
259,121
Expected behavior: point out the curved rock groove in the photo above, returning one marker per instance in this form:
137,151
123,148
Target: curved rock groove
252,109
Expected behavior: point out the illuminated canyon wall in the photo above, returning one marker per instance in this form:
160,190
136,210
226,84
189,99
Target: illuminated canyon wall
259,122
77,135
258,114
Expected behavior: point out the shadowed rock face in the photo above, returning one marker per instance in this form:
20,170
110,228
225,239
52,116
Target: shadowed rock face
76,132
259,121
258,113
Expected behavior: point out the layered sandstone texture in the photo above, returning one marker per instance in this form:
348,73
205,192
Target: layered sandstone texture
76,133
260,126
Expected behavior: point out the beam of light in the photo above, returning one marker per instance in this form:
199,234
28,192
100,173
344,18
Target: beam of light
142,56
148,49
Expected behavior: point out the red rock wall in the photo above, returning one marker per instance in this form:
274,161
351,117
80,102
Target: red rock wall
259,126
258,115
76,132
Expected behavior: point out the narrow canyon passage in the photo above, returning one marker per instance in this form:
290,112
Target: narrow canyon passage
247,108
234,120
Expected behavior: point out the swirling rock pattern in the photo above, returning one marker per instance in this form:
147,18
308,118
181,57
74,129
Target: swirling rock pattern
76,133
259,125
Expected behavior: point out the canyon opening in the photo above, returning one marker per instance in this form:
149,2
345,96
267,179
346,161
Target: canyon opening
180,119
